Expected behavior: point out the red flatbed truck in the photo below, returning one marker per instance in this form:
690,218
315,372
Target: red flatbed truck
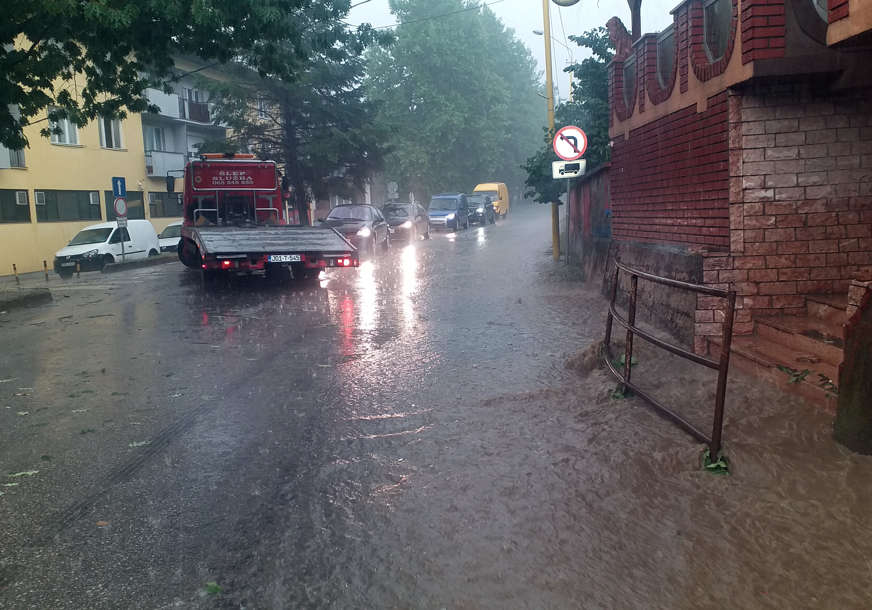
235,221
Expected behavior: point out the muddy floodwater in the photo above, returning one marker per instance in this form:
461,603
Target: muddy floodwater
405,435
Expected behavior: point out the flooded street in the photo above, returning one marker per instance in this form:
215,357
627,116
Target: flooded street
405,435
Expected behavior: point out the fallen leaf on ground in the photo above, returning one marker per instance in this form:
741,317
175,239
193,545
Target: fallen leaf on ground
102,523
22,413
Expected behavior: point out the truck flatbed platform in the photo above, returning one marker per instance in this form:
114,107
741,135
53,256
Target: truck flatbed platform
220,241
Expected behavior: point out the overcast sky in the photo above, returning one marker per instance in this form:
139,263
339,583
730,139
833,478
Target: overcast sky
524,16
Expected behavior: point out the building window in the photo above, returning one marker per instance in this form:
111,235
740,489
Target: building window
666,57
155,138
63,131
110,133
14,206
717,18
16,158
165,205
135,209
262,109
629,83
821,6
54,206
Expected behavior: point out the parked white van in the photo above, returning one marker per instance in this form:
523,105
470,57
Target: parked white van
98,245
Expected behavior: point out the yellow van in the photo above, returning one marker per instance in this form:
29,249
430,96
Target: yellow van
499,194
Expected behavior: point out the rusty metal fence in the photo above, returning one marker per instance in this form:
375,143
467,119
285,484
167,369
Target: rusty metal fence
721,365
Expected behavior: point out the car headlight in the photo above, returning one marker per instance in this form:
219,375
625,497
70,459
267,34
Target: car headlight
364,232
91,253
450,216
480,210
407,224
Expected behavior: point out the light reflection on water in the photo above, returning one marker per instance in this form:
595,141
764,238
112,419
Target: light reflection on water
409,270
367,296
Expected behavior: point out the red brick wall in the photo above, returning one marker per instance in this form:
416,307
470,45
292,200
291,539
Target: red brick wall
838,9
669,180
763,29
703,69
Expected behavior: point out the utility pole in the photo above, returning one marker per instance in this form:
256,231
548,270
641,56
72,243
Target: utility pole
549,90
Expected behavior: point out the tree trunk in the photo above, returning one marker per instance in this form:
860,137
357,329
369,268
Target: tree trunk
292,166
636,18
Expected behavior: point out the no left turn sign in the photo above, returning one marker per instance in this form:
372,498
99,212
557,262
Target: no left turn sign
570,143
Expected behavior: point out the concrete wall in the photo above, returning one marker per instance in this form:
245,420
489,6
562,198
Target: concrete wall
665,307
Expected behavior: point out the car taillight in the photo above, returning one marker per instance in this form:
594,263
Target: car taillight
226,264
347,262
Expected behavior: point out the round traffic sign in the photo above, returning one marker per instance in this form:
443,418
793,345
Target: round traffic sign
570,142
120,206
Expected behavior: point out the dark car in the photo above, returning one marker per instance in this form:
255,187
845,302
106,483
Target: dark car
481,209
449,211
363,225
407,220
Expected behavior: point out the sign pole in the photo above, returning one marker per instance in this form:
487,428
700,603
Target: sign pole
568,211
549,96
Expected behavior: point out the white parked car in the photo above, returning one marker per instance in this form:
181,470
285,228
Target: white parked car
98,245
170,236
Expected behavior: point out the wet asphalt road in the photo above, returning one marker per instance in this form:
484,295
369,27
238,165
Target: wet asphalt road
260,437
400,436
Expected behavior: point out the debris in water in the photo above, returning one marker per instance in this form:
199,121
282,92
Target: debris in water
23,473
22,413
139,443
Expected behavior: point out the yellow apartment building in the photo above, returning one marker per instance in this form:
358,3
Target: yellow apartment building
55,187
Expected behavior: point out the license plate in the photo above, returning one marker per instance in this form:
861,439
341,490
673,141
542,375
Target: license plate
284,258
68,264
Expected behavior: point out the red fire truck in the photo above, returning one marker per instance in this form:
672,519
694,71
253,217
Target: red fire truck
235,221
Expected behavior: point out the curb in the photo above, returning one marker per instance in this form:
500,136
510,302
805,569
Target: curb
24,298
161,259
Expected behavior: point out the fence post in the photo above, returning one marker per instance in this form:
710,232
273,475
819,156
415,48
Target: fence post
631,318
608,341
723,368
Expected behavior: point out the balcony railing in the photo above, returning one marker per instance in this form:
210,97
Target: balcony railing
194,111
159,162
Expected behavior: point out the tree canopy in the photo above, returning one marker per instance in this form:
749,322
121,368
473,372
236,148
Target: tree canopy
84,58
588,109
458,95
319,128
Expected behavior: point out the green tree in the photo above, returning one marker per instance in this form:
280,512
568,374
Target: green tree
457,93
84,58
320,127
588,109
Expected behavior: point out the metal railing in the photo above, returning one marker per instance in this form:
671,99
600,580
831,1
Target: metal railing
722,365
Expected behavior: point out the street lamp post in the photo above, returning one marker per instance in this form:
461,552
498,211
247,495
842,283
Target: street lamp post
549,90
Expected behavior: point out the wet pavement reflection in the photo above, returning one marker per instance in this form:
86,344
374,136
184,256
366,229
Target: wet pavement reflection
401,435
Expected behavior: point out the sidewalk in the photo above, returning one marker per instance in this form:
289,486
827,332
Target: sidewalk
33,288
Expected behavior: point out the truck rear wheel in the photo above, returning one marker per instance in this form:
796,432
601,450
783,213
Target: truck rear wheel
189,254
